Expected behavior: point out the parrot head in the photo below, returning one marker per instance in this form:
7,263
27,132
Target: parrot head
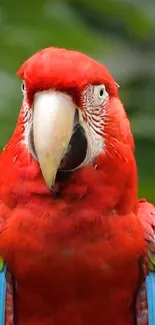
71,111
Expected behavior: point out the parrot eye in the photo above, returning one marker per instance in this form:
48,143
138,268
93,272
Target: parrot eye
23,87
100,94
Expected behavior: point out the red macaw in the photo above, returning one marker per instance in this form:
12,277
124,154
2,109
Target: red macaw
70,234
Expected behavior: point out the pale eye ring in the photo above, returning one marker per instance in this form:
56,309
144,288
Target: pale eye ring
100,94
23,87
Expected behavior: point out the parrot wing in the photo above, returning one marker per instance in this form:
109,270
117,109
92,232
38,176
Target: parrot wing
145,305
147,218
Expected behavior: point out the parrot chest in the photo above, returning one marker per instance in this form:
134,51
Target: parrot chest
78,270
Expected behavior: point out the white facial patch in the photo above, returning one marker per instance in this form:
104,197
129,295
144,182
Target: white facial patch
95,142
27,117
92,118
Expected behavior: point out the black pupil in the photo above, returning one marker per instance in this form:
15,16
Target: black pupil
23,86
101,92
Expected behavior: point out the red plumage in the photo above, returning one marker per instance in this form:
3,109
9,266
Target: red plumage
77,257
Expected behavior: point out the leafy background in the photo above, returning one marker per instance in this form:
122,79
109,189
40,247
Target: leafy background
121,34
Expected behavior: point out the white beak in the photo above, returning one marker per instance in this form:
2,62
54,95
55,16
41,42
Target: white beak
53,123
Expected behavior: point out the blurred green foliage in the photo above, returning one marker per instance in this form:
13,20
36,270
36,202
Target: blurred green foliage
121,34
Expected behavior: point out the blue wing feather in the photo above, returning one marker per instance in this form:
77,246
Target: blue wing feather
2,294
150,287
